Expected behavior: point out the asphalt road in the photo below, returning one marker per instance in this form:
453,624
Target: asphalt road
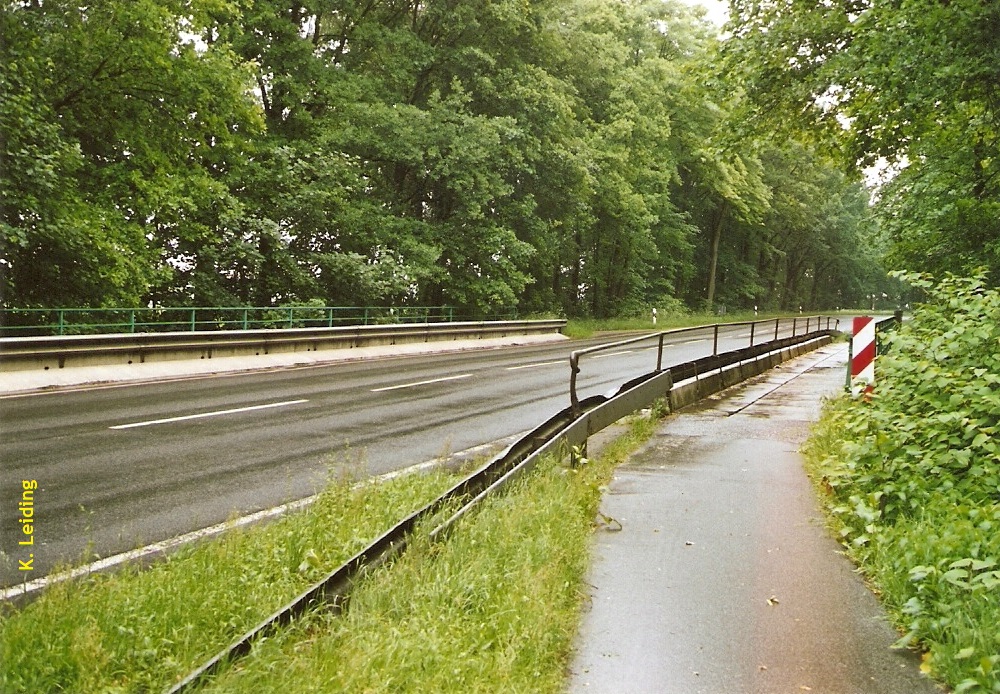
123,466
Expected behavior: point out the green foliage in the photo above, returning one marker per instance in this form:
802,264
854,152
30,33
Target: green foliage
582,157
498,601
495,603
141,630
912,84
914,478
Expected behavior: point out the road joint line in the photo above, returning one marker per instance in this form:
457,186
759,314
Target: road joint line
532,366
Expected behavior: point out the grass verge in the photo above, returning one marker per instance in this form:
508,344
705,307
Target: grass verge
138,631
499,601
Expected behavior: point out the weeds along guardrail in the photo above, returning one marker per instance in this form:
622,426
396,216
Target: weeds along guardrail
561,435
887,325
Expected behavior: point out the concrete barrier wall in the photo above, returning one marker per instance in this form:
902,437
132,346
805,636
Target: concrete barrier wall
694,389
37,353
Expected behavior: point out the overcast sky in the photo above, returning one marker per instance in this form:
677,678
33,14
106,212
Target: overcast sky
718,10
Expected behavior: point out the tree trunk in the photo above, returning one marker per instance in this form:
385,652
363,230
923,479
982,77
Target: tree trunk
713,260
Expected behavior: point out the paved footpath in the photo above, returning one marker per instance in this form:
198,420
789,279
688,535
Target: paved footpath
723,579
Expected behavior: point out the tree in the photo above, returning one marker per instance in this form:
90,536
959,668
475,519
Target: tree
130,128
912,82
577,156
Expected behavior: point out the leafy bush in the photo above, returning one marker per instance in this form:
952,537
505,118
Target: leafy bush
913,479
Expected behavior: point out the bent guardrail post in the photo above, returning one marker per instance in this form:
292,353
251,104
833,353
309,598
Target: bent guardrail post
574,369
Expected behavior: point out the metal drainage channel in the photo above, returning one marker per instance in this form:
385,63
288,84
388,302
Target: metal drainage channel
568,428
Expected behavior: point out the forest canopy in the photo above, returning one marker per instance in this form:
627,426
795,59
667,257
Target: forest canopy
576,157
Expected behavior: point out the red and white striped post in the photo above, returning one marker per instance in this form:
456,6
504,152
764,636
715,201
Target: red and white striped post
863,355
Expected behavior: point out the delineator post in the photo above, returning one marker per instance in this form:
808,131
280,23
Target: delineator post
863,359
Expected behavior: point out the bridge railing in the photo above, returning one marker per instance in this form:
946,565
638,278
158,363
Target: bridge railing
97,321
756,332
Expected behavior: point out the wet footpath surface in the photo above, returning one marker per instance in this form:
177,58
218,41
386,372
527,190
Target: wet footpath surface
723,578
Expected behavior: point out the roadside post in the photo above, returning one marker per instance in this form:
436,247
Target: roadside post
863,356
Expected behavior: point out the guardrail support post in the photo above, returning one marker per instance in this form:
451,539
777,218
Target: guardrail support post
795,325
850,359
574,369
777,324
193,323
60,321
131,320
752,326
659,355
715,341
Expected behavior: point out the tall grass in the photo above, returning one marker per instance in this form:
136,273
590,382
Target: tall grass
138,630
496,605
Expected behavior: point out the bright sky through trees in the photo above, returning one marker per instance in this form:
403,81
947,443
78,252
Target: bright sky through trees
717,10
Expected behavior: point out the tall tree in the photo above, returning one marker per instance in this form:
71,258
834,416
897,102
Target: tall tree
131,127
913,82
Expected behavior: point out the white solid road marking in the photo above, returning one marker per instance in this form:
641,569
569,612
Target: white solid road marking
613,354
532,366
166,545
217,413
420,383
694,342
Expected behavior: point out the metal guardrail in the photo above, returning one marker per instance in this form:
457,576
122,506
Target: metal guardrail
568,427
90,321
807,324
20,353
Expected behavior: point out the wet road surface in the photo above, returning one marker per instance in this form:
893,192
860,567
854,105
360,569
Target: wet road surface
723,579
123,465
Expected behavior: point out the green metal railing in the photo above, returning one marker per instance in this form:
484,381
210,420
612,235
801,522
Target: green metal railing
86,321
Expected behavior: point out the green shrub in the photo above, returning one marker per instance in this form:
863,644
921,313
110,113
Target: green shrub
913,479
